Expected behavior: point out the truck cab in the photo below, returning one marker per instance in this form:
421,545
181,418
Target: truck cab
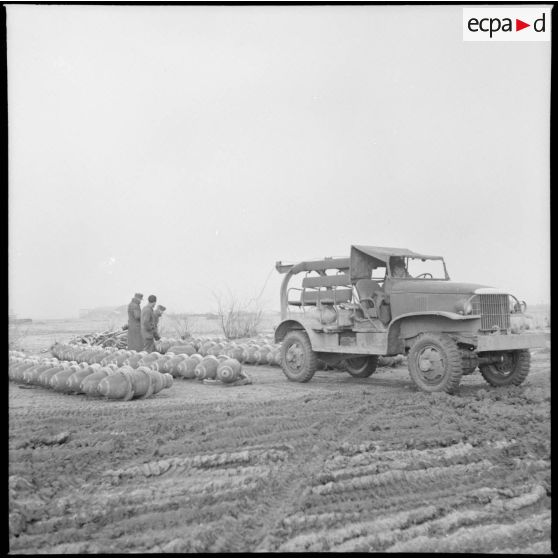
388,301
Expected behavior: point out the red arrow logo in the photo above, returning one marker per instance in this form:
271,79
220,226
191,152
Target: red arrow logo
519,25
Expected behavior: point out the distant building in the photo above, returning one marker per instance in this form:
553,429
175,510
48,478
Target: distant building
13,319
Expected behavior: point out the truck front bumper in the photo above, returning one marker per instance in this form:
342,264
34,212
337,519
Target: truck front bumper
511,342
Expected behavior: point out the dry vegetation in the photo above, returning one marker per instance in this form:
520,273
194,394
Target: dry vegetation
238,319
180,326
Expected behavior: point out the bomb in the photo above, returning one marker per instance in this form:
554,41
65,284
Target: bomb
32,373
235,352
274,357
205,346
215,349
186,368
90,383
172,366
207,368
74,381
94,355
249,354
183,349
159,364
116,386
59,381
167,381
128,383
229,370
31,376
142,383
163,346
99,356
158,381
46,375
15,372
134,359
148,359
121,358
260,355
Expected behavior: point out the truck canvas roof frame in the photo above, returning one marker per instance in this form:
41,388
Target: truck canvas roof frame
366,258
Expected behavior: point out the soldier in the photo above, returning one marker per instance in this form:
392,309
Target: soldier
397,266
135,341
148,323
156,316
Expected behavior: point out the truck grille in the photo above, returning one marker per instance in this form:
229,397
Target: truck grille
493,309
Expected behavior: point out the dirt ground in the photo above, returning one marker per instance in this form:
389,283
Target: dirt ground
339,464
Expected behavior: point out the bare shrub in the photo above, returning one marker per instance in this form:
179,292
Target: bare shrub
177,325
238,319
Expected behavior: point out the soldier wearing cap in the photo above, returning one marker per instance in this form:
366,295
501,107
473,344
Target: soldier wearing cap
148,330
158,312
135,341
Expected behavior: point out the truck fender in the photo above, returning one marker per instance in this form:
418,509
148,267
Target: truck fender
287,325
411,324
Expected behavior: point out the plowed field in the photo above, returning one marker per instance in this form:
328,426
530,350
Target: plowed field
338,464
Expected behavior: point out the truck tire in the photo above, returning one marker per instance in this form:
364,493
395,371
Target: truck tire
434,363
298,360
361,367
511,371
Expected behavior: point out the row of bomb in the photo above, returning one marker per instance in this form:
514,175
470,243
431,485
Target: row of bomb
258,350
90,379
251,352
185,366
248,353
164,344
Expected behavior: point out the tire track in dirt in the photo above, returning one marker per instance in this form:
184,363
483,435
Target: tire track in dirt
331,467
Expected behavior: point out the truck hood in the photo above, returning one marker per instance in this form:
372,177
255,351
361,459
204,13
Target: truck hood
440,287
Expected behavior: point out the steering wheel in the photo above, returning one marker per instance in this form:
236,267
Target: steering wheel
424,275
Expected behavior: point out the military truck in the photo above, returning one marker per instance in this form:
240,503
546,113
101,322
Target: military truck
347,312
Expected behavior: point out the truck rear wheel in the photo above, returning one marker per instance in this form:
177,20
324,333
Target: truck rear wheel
434,363
298,360
511,370
361,367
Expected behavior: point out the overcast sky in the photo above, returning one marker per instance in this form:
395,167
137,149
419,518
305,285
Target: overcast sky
183,150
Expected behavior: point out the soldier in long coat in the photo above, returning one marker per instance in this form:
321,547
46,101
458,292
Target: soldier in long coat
148,328
135,340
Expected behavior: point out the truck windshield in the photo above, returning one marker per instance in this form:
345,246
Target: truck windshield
418,268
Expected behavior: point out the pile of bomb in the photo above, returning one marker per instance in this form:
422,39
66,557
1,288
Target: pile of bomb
187,364
95,379
260,350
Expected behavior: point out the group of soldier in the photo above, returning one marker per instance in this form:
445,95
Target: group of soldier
143,323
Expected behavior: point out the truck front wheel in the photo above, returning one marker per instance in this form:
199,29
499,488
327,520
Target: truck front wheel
298,360
512,369
434,363
361,367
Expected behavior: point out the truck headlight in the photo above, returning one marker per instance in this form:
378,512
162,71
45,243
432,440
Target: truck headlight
464,307
512,305
517,306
